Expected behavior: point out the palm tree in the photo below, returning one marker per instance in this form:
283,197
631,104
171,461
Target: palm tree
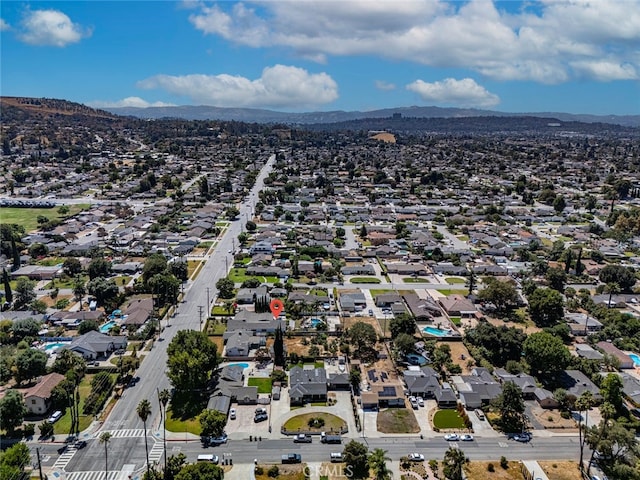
454,460
163,398
607,410
104,438
611,288
378,462
144,410
583,404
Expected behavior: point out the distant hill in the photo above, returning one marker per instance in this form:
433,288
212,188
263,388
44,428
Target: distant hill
13,107
204,112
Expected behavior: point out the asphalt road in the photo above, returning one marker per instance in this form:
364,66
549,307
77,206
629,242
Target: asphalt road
131,451
152,370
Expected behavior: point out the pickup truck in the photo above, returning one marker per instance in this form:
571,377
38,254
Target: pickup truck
302,438
291,458
324,438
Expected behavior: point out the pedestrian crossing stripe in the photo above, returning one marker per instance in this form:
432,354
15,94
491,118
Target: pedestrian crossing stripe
156,453
65,458
93,475
125,433
503,444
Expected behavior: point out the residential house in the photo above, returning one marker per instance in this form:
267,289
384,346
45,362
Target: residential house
576,383
477,389
307,385
421,382
254,322
38,398
73,319
587,351
582,323
239,343
93,345
458,306
366,269
445,396
631,389
138,312
609,348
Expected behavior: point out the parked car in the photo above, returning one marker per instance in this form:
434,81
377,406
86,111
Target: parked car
218,440
466,437
261,417
336,457
370,312
452,437
421,401
232,414
302,438
208,458
260,410
414,402
521,437
55,416
416,457
291,458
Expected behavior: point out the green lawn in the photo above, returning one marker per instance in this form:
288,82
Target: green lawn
238,275
216,328
28,217
415,280
220,311
319,292
365,280
447,419
66,282
463,238
263,384
50,261
379,291
455,280
300,422
445,291
183,412
457,321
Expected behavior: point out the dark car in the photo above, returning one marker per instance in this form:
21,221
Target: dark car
302,438
292,458
261,417
80,444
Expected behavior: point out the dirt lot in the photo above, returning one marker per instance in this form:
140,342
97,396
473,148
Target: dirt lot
551,419
294,345
219,341
348,321
479,471
457,350
397,420
288,472
528,329
561,470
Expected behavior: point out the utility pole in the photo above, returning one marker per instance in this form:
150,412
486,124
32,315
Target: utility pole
200,312
39,463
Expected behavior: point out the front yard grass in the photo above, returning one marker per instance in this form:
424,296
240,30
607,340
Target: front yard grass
263,384
447,419
479,471
397,420
415,280
183,412
454,280
365,280
332,423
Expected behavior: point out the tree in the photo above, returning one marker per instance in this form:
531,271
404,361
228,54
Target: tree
583,404
200,471
14,460
87,326
454,460
471,281
355,378
155,264
623,276
180,270
25,328
232,213
611,288
163,398
173,465
30,363
225,287
616,446
378,463
556,278
278,348
46,429
545,354
511,405
104,291
192,357
12,410
363,338
38,250
79,290
105,437
503,295
212,423
402,323
546,307
25,293
251,226
144,410
363,232
611,391
559,203
498,345
8,293
99,267
355,456
404,343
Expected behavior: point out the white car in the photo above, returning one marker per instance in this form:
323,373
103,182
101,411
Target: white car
416,457
420,401
232,414
466,438
451,437
55,416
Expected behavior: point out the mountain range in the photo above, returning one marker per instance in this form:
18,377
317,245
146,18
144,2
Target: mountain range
204,112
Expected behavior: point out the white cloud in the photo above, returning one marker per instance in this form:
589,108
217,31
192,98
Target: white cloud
385,86
50,28
279,86
4,25
128,102
462,93
539,44
605,71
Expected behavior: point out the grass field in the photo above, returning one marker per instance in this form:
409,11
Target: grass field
365,280
415,280
183,413
263,384
28,217
397,420
447,419
455,280
332,423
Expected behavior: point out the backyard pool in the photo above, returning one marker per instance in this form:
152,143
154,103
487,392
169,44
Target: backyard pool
437,332
107,326
243,365
51,347
315,322
415,359
636,359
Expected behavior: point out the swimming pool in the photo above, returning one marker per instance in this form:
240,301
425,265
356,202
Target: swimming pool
636,359
415,359
107,326
315,322
243,365
437,332
49,347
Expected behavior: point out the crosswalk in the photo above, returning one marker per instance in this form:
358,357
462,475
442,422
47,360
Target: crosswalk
65,458
126,433
123,474
156,452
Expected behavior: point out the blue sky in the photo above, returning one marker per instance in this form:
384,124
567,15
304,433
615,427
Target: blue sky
572,56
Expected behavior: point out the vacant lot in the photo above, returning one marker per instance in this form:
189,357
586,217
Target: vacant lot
551,419
397,420
460,355
444,419
28,217
349,321
561,470
480,471
332,423
285,472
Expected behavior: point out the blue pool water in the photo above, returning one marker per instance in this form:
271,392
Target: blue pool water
437,332
54,346
243,365
315,322
635,358
415,359
107,326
